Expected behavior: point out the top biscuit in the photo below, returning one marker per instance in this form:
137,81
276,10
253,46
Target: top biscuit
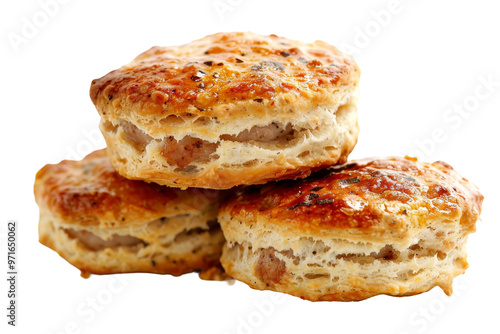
225,98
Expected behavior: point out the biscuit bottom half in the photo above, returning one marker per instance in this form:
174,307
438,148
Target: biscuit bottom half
339,270
279,149
171,245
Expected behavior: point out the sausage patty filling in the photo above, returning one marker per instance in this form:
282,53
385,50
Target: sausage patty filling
188,150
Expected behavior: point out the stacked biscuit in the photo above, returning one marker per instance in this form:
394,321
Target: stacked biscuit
228,156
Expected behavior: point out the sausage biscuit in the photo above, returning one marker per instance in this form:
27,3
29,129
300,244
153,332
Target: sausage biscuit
229,109
391,226
103,223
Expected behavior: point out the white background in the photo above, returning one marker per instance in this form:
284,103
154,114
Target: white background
421,61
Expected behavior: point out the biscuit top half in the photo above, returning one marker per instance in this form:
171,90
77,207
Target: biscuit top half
90,192
366,197
225,76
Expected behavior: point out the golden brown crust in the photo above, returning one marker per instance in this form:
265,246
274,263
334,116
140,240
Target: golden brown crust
391,226
91,192
224,69
349,196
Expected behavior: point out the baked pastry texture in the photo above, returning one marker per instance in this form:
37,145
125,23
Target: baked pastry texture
391,226
103,223
229,109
